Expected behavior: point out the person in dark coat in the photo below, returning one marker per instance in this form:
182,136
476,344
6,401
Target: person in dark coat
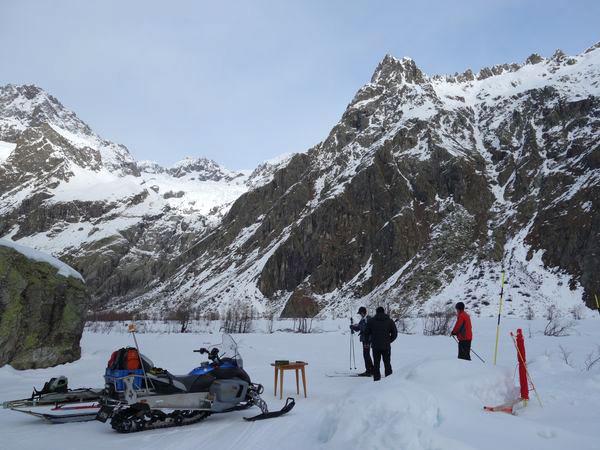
463,332
366,346
381,331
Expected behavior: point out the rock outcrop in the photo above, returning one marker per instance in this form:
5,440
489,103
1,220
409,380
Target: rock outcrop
42,312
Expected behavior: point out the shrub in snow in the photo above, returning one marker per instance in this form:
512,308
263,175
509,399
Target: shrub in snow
529,313
577,311
556,326
565,355
592,359
438,323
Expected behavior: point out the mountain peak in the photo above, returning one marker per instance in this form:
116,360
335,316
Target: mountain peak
27,105
395,70
201,168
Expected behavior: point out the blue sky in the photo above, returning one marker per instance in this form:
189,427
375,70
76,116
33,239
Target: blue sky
244,81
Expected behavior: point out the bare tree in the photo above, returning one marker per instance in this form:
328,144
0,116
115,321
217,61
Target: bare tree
183,316
401,314
270,318
437,322
238,318
556,326
304,324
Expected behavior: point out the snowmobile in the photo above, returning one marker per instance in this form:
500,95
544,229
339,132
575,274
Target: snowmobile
155,398
56,403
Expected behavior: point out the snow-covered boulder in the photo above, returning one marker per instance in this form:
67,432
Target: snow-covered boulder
42,309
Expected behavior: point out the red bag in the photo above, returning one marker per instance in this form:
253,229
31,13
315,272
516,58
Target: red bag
132,360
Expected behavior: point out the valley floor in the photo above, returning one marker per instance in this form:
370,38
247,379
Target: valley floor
432,401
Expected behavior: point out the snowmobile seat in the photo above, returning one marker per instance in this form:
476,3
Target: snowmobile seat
195,383
167,383
226,373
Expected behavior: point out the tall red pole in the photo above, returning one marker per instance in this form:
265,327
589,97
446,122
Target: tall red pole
522,365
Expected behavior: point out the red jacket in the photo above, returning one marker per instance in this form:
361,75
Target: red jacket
462,329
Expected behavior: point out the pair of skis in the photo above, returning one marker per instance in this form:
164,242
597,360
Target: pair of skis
345,374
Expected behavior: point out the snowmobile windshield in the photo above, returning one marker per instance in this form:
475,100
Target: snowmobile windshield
229,349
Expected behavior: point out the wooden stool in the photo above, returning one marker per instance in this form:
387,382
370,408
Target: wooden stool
297,366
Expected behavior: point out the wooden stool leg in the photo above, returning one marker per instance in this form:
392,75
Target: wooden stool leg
297,383
304,381
275,392
281,383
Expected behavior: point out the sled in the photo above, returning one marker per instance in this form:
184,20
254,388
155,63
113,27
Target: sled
59,406
63,413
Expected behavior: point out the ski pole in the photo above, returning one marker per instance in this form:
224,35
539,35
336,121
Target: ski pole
472,351
131,329
475,353
499,315
353,354
350,349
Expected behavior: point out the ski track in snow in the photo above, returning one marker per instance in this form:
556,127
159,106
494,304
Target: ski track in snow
432,401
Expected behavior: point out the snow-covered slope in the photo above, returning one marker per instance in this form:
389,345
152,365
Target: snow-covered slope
66,191
424,192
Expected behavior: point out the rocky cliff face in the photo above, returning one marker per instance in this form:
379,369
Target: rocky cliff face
427,188
42,312
422,194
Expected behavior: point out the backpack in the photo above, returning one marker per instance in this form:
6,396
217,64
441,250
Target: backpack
126,358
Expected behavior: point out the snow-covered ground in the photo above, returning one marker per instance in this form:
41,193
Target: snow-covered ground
432,401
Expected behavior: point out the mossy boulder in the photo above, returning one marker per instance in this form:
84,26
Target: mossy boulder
42,313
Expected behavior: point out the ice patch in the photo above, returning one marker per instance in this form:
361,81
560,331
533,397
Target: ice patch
6,148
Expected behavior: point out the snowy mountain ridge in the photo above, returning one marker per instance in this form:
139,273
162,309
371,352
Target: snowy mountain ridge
67,191
426,189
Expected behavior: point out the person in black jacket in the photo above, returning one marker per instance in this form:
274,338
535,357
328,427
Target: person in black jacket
360,328
381,331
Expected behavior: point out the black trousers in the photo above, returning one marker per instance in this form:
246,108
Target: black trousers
378,354
367,357
464,350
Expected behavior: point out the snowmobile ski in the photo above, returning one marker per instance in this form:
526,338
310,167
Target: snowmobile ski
289,405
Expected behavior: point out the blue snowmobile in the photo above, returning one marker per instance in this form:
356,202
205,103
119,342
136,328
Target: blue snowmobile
148,397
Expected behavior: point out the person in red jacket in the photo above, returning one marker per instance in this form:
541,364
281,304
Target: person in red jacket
463,331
